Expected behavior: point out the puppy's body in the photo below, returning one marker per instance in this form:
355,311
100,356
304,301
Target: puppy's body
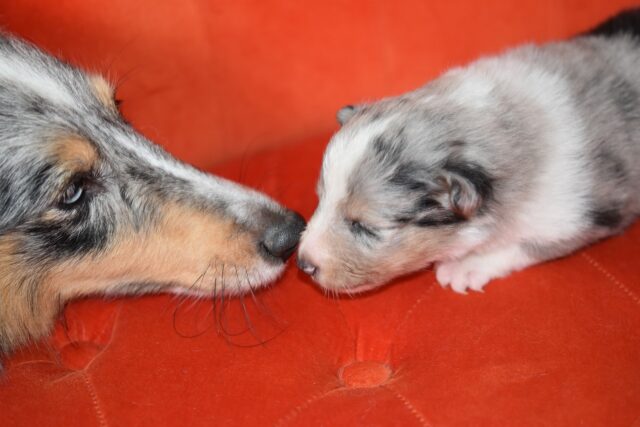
89,206
508,162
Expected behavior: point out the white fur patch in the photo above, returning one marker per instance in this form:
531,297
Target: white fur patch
344,152
475,271
207,185
18,72
473,89
553,210
560,195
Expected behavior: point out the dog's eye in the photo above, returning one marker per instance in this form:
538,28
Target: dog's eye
358,228
73,194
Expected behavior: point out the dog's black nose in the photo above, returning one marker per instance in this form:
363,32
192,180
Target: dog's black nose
306,266
281,238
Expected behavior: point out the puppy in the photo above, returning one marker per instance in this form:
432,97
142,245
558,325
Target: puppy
509,162
89,206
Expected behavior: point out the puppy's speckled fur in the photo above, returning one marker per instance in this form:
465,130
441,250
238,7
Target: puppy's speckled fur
510,161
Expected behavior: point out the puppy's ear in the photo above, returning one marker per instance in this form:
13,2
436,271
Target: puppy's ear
345,113
466,188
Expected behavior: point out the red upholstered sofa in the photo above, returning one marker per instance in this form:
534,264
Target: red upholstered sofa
249,89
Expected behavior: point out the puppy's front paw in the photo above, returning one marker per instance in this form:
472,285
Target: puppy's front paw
462,275
475,271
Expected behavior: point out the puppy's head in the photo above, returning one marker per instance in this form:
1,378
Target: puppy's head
90,206
400,187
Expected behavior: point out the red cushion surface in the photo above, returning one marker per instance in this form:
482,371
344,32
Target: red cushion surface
557,344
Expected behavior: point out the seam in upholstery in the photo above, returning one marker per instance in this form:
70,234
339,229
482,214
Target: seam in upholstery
292,414
611,278
354,338
65,377
102,421
406,317
106,345
410,407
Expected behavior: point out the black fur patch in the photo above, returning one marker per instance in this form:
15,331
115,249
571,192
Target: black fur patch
427,211
438,220
161,183
376,115
626,98
427,202
77,235
36,107
608,218
406,177
5,191
42,174
388,147
613,166
626,22
435,218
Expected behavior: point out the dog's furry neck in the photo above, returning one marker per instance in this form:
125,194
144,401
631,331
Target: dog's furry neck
27,312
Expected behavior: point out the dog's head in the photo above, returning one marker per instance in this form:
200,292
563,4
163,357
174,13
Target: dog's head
402,185
90,206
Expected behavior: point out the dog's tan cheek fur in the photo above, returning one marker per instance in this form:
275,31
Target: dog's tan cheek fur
28,307
183,244
180,248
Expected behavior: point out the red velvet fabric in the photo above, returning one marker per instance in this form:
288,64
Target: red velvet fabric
557,344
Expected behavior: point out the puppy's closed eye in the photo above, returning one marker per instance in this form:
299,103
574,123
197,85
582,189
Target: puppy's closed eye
358,228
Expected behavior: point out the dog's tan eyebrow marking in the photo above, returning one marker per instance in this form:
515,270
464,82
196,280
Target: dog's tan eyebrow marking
103,91
74,153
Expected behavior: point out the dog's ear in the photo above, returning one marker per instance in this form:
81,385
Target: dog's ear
346,112
465,187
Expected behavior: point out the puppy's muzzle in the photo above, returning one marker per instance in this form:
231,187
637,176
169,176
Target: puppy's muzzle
306,266
281,237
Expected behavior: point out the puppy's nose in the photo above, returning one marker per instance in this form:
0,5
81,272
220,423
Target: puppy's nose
306,266
281,238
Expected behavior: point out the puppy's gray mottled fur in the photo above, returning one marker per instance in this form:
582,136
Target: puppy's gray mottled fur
508,162
89,206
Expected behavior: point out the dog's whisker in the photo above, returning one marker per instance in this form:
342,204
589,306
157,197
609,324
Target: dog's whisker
248,321
215,302
264,309
245,313
195,301
259,305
